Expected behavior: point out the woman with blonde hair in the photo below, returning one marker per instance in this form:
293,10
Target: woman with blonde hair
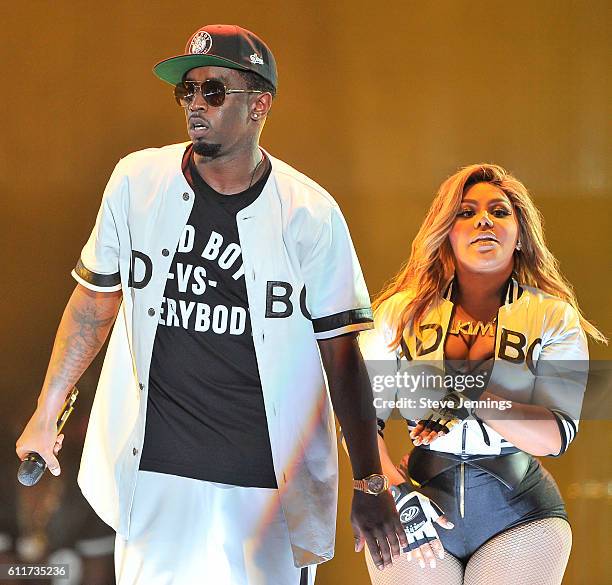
481,309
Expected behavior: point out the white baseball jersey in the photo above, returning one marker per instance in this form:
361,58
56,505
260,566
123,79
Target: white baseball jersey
303,283
541,357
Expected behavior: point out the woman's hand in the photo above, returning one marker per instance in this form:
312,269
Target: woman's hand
440,420
424,433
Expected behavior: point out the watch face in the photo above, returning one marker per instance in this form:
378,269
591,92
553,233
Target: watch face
376,484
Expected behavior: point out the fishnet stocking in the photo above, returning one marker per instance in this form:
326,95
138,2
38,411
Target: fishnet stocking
448,571
536,552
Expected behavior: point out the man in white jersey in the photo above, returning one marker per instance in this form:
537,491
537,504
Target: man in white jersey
231,279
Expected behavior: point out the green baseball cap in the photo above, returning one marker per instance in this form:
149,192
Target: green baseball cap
222,45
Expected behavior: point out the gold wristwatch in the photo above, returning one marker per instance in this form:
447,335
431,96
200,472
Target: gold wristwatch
374,484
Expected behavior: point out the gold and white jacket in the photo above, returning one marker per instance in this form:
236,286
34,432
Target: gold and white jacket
541,357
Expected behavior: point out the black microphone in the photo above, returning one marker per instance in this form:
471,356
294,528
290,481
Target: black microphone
33,466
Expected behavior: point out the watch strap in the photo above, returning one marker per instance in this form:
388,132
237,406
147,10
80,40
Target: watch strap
363,486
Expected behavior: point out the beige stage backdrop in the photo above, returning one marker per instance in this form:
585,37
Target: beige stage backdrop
378,102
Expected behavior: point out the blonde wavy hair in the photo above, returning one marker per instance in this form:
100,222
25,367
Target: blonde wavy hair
431,263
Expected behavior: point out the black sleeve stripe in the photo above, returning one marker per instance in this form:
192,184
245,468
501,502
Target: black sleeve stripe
568,421
567,429
343,319
95,278
563,439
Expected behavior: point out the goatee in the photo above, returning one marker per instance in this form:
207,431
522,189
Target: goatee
206,149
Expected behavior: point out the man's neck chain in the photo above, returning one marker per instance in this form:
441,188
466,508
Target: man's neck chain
255,170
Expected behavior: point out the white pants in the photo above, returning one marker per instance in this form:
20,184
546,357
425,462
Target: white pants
188,532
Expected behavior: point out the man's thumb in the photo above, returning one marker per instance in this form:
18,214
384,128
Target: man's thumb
53,464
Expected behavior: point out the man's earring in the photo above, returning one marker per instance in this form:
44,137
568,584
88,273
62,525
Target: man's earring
518,245
254,115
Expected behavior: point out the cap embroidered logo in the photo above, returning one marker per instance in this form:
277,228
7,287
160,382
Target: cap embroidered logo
256,59
201,43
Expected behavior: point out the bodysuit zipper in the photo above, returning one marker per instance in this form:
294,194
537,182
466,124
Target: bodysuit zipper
462,473
464,432
462,491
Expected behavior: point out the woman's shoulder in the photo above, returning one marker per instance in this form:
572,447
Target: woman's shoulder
558,317
547,302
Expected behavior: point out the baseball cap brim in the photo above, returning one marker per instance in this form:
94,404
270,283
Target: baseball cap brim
173,69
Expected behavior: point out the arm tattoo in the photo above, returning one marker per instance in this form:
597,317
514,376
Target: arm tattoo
90,325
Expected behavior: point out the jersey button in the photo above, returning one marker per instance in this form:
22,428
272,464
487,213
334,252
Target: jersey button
141,386
134,451
165,252
151,312
185,196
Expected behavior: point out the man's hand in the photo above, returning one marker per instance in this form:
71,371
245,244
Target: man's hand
374,518
376,522
417,515
85,324
40,436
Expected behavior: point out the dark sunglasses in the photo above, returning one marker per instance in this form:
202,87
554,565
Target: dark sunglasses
212,90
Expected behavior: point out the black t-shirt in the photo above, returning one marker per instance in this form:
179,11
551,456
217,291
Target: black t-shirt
205,413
